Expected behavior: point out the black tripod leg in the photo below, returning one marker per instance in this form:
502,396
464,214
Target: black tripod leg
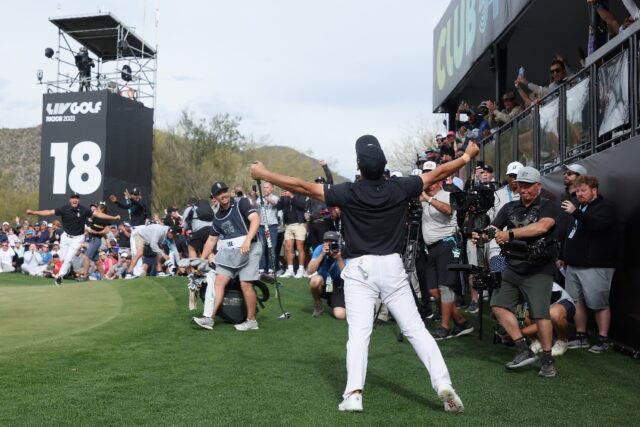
480,312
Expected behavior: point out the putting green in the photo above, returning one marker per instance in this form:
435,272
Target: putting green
32,314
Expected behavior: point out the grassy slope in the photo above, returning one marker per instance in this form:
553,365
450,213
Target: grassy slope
149,365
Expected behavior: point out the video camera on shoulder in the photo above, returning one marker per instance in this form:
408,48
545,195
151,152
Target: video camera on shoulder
541,251
479,197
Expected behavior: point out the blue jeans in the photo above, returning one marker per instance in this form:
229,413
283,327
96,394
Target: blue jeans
266,253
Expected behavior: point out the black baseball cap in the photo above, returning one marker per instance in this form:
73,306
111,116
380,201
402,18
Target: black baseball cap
74,195
487,168
320,179
218,187
331,235
135,191
371,159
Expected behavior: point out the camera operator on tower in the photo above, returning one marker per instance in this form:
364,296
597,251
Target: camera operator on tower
530,252
374,211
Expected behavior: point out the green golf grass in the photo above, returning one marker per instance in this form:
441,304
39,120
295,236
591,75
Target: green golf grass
126,353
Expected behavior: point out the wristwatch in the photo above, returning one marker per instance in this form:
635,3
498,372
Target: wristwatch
430,199
511,235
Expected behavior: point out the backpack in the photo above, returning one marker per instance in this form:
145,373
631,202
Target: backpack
204,210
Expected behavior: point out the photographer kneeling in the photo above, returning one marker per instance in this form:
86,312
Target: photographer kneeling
529,222
324,268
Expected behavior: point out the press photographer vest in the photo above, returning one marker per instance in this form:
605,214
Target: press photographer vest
518,218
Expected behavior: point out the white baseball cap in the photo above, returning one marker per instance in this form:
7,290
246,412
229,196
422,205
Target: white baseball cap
575,168
514,168
429,166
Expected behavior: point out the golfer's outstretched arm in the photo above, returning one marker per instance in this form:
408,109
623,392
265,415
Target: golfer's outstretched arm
446,169
289,183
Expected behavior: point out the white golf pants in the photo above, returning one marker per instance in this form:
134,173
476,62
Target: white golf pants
365,279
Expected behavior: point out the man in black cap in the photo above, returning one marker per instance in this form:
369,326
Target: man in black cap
374,211
235,233
74,217
138,214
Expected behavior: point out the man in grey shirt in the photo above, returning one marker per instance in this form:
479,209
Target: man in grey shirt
154,235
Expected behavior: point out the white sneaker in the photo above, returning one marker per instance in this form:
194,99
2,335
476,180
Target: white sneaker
535,346
288,273
559,348
204,322
299,273
247,325
449,397
352,403
130,276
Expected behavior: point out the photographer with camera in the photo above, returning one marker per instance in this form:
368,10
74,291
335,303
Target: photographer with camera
324,268
439,229
373,210
530,266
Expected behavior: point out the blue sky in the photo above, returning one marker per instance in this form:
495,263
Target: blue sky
313,75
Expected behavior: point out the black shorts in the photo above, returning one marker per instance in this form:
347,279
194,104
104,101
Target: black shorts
569,308
199,238
439,257
336,298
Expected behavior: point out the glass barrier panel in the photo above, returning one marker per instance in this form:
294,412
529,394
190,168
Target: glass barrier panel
613,94
525,140
489,151
549,134
578,123
506,153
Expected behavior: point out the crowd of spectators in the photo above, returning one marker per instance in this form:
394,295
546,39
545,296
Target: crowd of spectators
32,247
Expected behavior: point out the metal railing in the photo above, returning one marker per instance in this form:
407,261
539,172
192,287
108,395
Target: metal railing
594,109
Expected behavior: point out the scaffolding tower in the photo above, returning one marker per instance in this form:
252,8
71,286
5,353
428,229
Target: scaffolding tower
110,56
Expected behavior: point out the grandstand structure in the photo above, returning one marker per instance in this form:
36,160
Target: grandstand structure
592,118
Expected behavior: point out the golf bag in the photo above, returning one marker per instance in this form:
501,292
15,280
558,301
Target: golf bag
233,309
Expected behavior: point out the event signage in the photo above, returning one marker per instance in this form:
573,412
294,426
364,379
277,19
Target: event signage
93,143
465,31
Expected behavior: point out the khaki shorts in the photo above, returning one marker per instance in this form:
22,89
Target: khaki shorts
297,231
139,241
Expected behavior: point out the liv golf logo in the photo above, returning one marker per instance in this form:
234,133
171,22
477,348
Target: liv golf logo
67,111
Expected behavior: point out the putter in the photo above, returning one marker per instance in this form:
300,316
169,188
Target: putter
265,223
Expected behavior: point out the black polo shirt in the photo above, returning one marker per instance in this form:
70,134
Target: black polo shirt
374,213
73,219
516,215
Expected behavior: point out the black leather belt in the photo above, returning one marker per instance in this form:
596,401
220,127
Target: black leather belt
433,245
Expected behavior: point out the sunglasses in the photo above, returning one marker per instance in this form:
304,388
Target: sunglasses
555,70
